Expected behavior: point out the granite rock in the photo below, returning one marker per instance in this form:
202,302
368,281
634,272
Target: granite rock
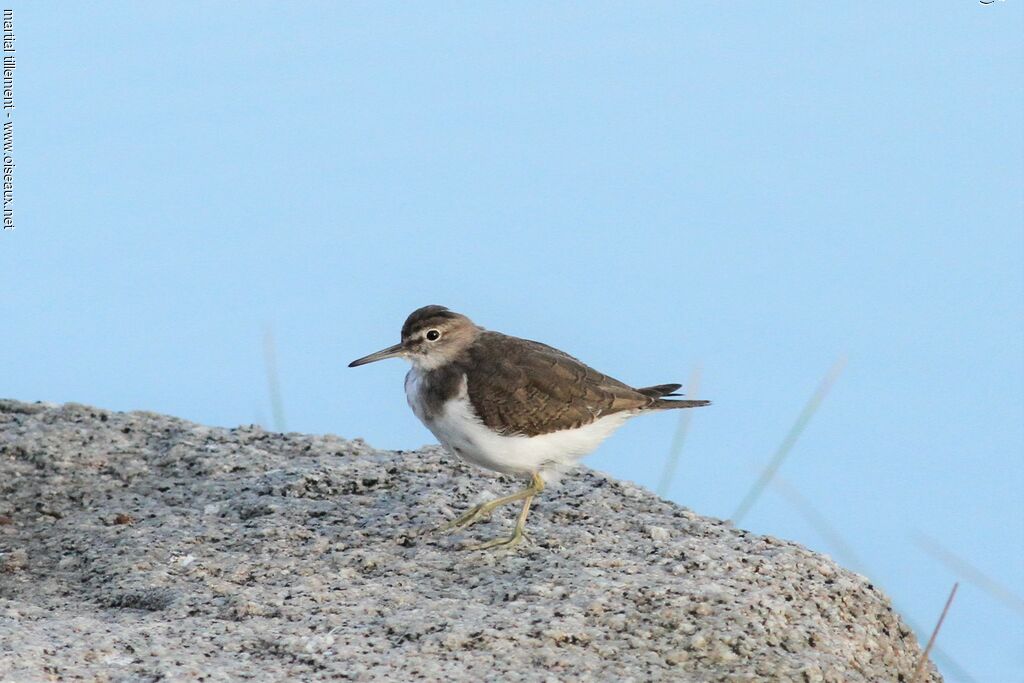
140,547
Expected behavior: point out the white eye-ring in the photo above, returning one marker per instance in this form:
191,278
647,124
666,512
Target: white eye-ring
433,335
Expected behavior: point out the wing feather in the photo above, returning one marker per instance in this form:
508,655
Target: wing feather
524,387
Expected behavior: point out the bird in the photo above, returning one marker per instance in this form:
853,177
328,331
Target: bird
511,405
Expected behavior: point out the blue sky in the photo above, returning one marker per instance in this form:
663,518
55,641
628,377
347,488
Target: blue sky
757,188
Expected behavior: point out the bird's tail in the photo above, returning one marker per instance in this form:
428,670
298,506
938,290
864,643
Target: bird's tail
662,390
663,404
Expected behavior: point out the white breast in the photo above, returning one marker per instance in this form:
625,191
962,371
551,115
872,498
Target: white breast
459,429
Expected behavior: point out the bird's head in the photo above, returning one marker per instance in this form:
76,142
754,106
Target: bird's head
431,336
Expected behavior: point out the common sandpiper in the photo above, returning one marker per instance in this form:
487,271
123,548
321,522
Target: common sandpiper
511,405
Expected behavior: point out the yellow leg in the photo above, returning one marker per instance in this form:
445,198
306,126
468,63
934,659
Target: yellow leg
536,486
517,533
476,512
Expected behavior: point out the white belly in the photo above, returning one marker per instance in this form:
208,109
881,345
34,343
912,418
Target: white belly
459,429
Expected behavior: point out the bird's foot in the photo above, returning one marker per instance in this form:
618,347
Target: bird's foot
504,542
471,516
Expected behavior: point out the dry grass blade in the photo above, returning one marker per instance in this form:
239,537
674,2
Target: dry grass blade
851,559
950,668
691,389
919,671
967,571
791,438
270,363
818,522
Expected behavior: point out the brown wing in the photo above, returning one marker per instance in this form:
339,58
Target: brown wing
525,387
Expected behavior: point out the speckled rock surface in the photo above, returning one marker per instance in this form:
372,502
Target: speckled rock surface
139,547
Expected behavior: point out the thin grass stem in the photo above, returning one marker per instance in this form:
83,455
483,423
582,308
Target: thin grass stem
676,451
967,571
791,438
919,671
818,522
845,550
273,385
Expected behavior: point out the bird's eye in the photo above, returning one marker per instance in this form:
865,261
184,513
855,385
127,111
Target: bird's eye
433,335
